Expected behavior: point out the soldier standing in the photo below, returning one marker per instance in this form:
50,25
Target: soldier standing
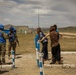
2,45
12,40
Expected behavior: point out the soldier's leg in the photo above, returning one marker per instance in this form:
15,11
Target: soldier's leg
9,50
3,53
53,55
14,47
0,55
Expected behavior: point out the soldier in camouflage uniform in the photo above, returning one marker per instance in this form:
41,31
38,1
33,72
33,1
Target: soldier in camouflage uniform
2,46
13,39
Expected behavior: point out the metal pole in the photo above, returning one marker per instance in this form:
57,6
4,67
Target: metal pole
41,63
13,59
37,57
38,20
37,46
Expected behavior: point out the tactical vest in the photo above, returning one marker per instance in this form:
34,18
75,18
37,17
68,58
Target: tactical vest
12,38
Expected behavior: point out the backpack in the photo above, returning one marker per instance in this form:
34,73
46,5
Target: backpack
2,39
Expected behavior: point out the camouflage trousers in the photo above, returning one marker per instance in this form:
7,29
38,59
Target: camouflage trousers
11,46
2,53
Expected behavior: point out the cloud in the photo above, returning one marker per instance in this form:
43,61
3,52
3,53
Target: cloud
41,11
33,2
25,12
15,10
6,19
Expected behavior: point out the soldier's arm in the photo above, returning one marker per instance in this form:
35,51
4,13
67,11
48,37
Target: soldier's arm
44,37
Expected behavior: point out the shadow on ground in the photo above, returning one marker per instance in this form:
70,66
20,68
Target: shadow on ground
1,72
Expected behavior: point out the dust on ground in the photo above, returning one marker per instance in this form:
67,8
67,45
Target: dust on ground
26,65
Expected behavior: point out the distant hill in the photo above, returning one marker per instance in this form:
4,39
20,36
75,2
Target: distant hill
64,29
8,25
68,29
20,29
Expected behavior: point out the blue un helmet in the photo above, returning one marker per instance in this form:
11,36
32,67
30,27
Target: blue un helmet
11,28
1,27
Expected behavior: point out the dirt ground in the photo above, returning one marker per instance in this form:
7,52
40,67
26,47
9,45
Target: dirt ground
26,62
26,65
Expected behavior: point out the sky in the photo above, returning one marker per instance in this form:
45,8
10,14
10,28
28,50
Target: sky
34,13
